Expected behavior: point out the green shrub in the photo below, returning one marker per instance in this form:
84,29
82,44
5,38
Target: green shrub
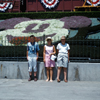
46,15
75,51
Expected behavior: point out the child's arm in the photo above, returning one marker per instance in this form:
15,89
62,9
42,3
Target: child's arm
68,55
44,54
27,54
27,51
37,53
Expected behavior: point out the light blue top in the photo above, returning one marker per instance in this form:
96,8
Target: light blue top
32,48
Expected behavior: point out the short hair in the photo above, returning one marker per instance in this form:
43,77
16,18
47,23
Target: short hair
32,36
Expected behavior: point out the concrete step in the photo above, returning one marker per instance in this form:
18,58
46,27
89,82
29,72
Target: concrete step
76,71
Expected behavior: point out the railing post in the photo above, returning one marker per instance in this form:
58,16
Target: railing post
43,39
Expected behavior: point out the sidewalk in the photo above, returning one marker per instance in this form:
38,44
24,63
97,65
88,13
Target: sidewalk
17,89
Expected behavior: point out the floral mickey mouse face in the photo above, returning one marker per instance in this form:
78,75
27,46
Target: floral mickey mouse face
38,28
21,28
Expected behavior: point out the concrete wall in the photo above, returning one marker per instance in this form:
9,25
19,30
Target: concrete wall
76,71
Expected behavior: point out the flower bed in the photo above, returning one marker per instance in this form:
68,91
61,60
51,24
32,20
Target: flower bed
22,40
26,27
75,22
16,28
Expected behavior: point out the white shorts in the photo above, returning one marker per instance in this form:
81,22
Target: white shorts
32,62
62,60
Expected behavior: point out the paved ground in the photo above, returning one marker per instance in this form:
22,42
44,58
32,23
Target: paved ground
16,89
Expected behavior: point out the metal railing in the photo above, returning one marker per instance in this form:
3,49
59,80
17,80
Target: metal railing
82,50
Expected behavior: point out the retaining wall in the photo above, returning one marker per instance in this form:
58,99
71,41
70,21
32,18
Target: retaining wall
76,71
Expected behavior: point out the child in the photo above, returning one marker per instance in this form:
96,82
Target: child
49,50
63,57
32,56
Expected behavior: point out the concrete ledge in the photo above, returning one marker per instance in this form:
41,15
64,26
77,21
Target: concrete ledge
76,71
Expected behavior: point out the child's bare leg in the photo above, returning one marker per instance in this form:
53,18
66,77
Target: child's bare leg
51,73
58,74
48,69
65,74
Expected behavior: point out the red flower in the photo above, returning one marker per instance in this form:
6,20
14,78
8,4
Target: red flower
22,40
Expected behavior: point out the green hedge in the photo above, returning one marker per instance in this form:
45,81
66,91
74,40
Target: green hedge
77,50
45,15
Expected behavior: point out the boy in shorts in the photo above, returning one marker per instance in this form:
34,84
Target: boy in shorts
63,49
32,56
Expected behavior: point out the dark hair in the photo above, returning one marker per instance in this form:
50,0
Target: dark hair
32,36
